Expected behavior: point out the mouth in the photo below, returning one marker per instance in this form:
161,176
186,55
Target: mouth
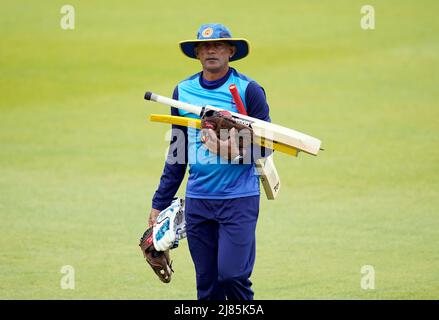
212,59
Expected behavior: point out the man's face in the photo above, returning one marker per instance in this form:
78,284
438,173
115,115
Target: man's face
214,55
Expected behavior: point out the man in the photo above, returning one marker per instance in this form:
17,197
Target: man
222,196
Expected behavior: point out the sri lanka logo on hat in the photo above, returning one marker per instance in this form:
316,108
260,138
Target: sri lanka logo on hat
206,33
216,32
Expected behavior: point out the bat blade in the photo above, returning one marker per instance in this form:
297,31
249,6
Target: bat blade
196,123
262,129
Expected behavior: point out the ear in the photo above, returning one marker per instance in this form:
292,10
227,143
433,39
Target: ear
232,51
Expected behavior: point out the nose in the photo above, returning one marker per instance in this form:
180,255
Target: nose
211,48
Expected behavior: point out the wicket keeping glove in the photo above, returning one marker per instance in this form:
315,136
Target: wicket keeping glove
164,235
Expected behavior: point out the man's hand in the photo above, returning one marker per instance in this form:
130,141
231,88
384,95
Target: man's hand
223,135
153,216
228,149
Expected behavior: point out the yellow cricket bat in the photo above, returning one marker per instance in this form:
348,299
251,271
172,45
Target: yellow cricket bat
196,123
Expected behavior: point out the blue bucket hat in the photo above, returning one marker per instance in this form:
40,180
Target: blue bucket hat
215,32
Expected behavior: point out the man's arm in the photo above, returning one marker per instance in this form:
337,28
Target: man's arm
257,107
174,171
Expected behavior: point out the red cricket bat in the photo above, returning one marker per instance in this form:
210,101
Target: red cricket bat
237,99
265,166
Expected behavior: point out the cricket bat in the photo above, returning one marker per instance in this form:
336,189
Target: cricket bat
269,177
196,123
265,166
264,130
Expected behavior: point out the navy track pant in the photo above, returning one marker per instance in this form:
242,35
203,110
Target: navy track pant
222,243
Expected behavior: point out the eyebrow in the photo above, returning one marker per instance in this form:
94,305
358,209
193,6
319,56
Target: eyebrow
214,42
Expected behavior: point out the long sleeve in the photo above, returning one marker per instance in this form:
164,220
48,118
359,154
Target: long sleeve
175,166
257,107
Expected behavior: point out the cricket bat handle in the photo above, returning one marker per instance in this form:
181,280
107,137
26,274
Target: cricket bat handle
174,103
237,99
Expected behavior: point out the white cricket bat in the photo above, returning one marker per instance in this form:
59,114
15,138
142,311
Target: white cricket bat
269,177
262,129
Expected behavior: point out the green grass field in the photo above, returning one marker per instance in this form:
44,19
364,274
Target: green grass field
79,161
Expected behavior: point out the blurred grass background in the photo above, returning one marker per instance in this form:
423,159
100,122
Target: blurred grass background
79,161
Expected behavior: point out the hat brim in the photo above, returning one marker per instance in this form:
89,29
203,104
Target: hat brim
242,47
